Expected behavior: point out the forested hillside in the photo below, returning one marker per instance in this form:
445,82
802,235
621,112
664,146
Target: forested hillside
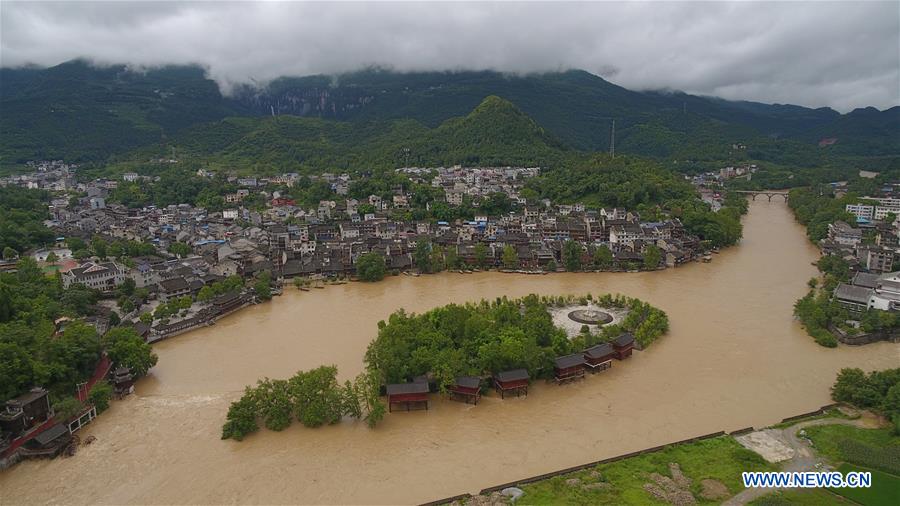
496,132
83,114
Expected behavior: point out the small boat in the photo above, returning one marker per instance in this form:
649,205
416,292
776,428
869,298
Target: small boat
304,288
707,259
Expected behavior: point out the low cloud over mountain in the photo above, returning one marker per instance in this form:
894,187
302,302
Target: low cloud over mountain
838,54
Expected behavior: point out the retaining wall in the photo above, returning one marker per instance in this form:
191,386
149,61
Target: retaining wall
524,481
872,337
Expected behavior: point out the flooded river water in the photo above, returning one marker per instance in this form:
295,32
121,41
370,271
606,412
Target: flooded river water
734,357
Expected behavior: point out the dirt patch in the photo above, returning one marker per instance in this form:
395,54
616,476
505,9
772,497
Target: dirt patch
495,499
713,490
666,489
678,477
765,443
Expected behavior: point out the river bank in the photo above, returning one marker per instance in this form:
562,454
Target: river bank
734,355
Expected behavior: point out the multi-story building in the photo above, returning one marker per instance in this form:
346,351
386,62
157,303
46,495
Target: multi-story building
104,276
842,233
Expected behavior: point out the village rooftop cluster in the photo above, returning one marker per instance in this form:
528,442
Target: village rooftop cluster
288,241
870,248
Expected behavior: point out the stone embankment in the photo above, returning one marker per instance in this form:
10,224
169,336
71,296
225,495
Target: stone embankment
668,486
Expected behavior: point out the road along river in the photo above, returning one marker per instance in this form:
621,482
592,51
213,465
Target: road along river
734,357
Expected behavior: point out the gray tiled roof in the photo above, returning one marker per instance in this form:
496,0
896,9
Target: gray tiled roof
852,293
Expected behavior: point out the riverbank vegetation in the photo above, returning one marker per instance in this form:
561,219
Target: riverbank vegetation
878,391
31,350
816,208
313,398
370,267
491,336
34,350
708,471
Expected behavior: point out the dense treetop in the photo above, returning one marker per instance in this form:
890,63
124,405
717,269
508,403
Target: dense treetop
493,336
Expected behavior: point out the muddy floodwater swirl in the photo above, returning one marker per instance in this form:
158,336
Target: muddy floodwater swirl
734,357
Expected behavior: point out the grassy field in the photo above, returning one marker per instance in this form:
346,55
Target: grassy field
721,459
885,489
873,448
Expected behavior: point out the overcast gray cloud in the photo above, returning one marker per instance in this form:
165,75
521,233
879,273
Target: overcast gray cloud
838,54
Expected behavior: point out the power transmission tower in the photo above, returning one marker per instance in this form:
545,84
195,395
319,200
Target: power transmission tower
612,140
612,136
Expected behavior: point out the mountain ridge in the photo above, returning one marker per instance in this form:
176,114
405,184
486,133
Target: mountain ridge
78,112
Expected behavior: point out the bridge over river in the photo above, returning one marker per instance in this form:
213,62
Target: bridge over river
767,193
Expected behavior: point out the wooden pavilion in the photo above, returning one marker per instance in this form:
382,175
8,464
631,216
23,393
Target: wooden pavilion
570,367
599,357
623,345
466,388
515,380
408,394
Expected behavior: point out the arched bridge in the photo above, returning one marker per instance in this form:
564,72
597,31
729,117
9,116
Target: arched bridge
768,193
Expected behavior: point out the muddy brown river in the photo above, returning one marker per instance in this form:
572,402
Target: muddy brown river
734,357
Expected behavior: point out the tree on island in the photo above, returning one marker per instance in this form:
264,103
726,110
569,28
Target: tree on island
313,398
370,267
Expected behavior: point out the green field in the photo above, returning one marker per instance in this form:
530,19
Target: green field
885,489
721,459
801,497
873,448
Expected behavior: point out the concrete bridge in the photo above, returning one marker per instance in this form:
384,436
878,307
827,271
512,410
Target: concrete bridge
768,193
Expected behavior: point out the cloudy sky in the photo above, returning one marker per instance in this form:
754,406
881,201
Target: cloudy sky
838,54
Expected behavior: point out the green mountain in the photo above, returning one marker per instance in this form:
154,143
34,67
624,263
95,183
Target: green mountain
82,113
495,132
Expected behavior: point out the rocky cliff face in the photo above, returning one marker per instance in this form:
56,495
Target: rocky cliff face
322,102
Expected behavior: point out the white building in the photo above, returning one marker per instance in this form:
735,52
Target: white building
863,211
104,276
